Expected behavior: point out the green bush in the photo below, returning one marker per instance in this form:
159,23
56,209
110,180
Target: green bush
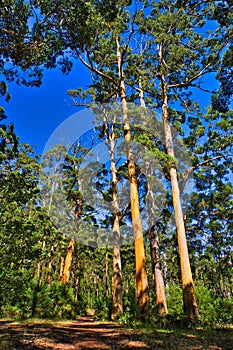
224,310
10,311
175,300
206,304
213,310
56,301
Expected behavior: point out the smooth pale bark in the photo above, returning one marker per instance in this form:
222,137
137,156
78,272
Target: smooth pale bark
61,267
117,303
77,279
106,275
161,301
190,305
66,270
40,265
50,265
142,292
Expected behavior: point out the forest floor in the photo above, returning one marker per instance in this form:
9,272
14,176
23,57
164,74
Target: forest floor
85,333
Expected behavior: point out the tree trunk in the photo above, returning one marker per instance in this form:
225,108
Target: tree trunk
40,265
142,292
66,271
117,304
161,302
61,267
190,306
106,275
50,264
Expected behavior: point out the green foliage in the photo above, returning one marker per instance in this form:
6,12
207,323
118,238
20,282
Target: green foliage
11,312
206,305
174,300
224,309
57,302
212,309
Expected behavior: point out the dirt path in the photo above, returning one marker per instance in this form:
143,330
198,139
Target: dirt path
87,334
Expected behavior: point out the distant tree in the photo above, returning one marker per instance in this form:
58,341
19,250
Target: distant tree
209,219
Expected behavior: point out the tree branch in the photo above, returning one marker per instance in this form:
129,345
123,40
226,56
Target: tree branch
186,175
95,70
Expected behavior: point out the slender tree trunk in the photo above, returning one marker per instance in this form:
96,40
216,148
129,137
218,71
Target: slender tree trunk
117,303
40,263
141,274
50,264
66,271
76,288
61,267
165,269
106,275
65,264
190,306
161,301
39,275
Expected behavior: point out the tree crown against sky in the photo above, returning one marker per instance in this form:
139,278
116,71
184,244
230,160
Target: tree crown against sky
36,34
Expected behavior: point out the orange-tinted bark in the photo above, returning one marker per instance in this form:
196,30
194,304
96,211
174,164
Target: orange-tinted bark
161,301
190,306
141,274
117,303
66,271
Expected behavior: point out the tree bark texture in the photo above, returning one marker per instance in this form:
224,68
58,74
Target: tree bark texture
142,292
117,303
161,301
66,270
190,306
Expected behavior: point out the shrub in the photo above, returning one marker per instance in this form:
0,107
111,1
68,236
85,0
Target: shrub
206,304
10,311
175,300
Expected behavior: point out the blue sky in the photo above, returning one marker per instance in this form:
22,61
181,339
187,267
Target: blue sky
36,112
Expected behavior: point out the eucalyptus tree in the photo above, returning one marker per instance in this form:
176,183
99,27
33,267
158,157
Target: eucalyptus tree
153,196
98,34
183,51
110,134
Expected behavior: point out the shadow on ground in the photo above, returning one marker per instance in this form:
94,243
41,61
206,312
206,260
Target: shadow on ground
87,334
